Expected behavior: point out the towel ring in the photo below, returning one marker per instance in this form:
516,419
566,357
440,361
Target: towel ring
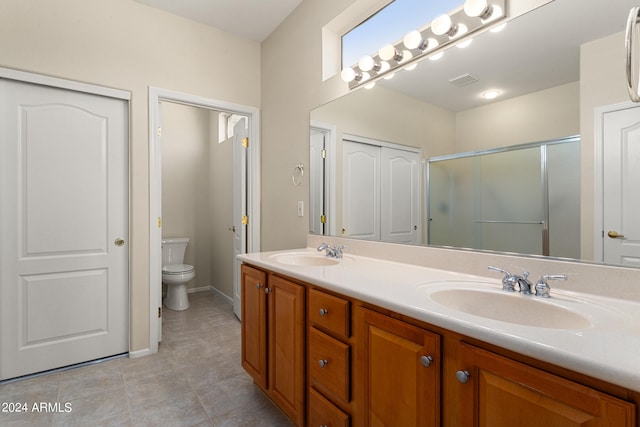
298,173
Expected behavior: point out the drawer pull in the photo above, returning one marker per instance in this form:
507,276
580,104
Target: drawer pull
426,361
323,312
323,362
463,376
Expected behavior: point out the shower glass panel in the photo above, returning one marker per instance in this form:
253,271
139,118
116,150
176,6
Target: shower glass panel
510,200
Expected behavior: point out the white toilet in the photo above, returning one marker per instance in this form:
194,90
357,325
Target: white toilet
176,274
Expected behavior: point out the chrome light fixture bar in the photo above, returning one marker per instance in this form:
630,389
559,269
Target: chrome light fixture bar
445,30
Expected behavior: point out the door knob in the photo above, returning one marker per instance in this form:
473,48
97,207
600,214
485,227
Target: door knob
463,376
118,242
426,361
615,235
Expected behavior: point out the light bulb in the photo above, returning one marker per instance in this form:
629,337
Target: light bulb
389,76
432,43
441,25
348,74
388,52
436,56
411,67
461,30
464,44
384,66
366,63
414,40
477,8
370,85
498,28
406,55
491,94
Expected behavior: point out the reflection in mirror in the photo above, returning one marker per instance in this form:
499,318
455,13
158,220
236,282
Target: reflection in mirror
505,199
436,109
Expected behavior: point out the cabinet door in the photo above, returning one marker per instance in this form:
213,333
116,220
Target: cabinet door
286,346
502,392
402,386
254,324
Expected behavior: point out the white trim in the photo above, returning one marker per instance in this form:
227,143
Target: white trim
379,143
7,73
598,168
221,294
141,353
156,95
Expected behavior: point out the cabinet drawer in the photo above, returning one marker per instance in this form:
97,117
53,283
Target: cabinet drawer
329,312
324,413
328,364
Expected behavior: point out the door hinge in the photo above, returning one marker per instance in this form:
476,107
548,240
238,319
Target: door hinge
159,222
245,142
245,220
159,312
159,132
324,154
323,219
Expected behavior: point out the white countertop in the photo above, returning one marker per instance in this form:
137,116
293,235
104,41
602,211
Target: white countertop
608,349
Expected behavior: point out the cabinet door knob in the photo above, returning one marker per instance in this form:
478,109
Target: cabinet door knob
323,312
267,290
426,361
259,285
323,362
463,376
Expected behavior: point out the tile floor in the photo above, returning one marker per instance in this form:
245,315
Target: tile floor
194,380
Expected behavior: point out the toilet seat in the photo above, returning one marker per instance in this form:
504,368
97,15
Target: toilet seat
177,269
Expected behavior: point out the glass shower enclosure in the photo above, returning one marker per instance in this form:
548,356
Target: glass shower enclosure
521,199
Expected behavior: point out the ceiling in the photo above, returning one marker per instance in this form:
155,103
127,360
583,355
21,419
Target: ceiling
251,19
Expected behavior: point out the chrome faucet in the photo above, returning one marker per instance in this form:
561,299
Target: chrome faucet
524,284
332,252
542,287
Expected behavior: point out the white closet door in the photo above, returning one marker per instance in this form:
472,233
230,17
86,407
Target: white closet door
240,133
361,191
64,289
400,196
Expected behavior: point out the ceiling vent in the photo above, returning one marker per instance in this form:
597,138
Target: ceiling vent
463,80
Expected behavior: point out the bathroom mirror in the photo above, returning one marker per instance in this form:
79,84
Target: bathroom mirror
438,109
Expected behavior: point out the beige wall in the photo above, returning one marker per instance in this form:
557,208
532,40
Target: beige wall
540,116
129,46
602,82
197,192
185,184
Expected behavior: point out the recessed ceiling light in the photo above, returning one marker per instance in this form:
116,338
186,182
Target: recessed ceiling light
491,94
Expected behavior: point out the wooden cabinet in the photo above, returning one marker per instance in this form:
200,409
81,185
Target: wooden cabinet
329,359
401,371
502,392
273,338
366,366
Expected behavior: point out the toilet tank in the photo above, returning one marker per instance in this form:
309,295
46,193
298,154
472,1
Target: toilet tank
173,250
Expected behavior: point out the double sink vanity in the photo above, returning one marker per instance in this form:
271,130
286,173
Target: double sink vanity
363,339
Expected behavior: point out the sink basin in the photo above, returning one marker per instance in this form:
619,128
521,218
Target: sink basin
305,258
511,308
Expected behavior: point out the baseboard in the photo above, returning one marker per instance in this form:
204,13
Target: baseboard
140,353
225,296
200,289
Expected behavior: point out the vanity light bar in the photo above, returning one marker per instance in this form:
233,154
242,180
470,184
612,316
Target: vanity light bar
443,31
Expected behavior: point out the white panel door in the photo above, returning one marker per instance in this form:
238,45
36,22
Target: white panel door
400,196
240,133
361,191
621,174
64,292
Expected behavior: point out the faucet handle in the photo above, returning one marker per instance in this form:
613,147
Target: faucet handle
542,287
507,281
338,250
